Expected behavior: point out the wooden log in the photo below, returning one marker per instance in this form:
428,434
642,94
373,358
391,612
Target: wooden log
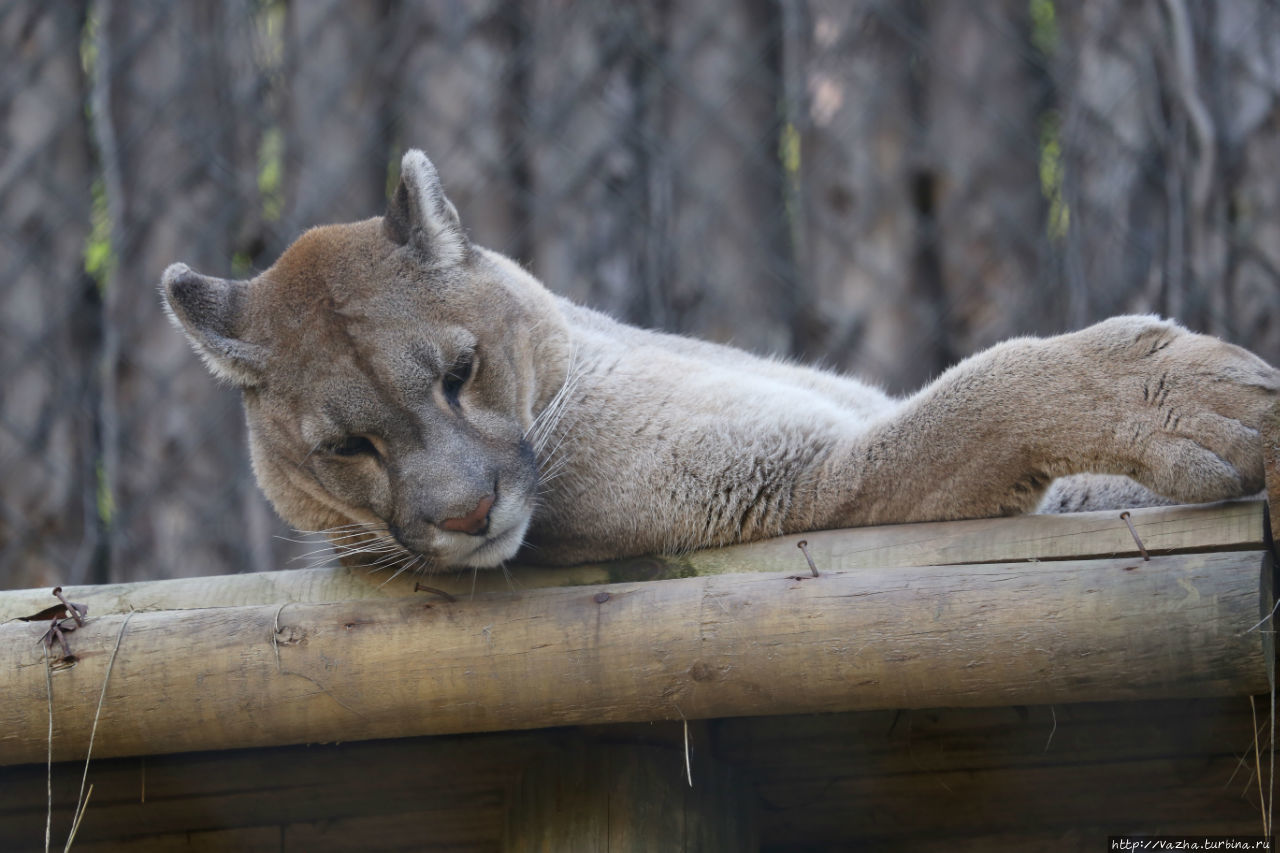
726,645
1163,530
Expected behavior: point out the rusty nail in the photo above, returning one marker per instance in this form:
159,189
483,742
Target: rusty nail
73,610
421,587
1124,516
55,632
803,545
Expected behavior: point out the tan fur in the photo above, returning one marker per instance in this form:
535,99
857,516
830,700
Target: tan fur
598,440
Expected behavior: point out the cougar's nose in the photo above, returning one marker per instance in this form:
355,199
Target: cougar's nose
474,522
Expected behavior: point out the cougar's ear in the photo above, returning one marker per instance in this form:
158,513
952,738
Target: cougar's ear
211,311
421,216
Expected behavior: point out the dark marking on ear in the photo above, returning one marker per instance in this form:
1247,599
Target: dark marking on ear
396,223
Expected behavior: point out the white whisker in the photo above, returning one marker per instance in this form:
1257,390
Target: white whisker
366,535
319,552
546,436
372,550
406,567
355,525
544,424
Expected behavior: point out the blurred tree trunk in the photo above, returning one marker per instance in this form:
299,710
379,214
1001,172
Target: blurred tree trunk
336,129
981,190
920,180
1170,134
48,304
869,313
1114,170
884,186
726,269
457,85
174,93
588,153
1244,97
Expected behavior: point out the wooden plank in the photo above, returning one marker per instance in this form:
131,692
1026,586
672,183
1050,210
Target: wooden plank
259,839
289,585
1164,530
452,792
727,645
1083,535
1154,796
627,797
426,828
907,780
876,743
1080,838
403,792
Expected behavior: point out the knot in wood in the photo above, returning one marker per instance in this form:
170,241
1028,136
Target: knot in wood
702,672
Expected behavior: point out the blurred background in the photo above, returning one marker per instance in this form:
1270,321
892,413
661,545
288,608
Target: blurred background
883,186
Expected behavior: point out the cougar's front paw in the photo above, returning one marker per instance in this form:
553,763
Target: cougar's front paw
1190,408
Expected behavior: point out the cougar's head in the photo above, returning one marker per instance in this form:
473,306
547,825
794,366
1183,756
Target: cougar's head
391,374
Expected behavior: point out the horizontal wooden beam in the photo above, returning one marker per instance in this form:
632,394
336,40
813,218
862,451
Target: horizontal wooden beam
1013,765
715,646
1163,530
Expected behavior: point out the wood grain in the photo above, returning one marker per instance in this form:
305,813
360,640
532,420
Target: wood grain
723,645
1164,530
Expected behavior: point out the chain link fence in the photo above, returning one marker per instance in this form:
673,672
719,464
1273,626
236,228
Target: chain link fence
883,186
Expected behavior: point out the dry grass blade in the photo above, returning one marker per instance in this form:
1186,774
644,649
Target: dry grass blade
48,780
82,800
1257,768
688,766
75,826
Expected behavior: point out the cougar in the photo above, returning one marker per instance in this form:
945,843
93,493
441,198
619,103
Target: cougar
428,401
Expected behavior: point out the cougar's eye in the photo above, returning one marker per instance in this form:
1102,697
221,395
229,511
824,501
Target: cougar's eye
456,377
354,445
